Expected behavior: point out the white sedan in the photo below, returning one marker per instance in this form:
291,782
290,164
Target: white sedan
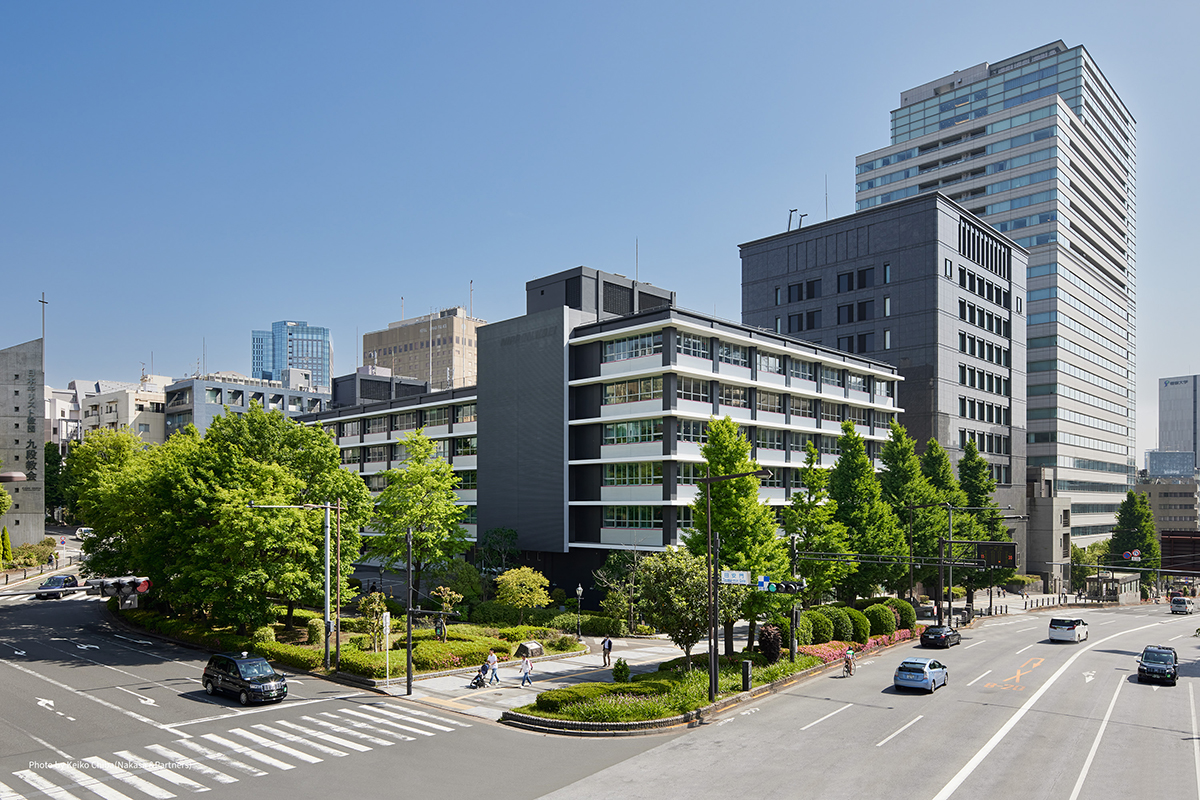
1068,630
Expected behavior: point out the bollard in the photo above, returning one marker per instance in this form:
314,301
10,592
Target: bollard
746,665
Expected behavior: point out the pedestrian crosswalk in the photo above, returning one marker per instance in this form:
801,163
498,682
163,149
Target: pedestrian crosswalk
208,760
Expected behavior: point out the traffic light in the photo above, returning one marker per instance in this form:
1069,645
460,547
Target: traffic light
127,588
785,587
998,554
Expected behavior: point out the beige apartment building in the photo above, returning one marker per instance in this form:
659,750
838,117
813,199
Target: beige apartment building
439,348
110,404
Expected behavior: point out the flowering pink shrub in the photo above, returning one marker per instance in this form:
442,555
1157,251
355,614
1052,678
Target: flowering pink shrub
830,652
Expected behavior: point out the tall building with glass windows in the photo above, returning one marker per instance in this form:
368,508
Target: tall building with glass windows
1041,148
290,345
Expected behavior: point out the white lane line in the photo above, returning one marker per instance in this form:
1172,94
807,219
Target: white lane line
85,781
158,771
74,691
1034,628
38,782
141,784
1087,762
897,733
981,677
1195,736
1023,649
968,647
1173,638
191,764
8,794
999,735
827,716
1107,622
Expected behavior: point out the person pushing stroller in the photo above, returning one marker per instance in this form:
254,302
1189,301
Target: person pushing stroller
480,679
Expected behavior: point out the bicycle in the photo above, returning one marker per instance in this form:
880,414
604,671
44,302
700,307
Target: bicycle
848,663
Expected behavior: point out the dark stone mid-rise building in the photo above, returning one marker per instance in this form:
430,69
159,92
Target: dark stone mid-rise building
22,438
926,286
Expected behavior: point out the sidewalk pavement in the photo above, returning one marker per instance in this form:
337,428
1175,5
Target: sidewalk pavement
453,691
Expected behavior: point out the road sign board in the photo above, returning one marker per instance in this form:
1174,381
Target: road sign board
736,577
763,583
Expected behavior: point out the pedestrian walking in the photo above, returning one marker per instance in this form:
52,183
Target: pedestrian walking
526,671
606,649
494,665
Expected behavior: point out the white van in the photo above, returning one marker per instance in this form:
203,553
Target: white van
1183,605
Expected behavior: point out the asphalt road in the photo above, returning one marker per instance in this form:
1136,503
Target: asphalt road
91,710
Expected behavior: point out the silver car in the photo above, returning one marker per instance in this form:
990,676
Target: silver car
920,673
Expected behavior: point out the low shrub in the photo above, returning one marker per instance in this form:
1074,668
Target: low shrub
491,612
770,643
555,699
908,616
804,630
591,624
316,630
843,628
525,633
264,634
645,630
862,625
561,643
822,626
302,614
882,618
358,624
290,654
620,671
434,655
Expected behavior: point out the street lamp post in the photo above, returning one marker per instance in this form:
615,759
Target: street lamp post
713,556
578,611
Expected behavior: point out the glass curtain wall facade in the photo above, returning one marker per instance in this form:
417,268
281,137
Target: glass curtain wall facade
290,344
1041,148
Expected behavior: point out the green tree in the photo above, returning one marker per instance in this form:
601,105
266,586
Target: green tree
101,453
618,578
522,588
936,466
495,551
460,576
1082,559
5,501
913,499
811,521
744,526
674,596
371,607
1135,531
54,477
419,497
6,551
975,478
870,522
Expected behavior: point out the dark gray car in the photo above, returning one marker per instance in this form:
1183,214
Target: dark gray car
251,679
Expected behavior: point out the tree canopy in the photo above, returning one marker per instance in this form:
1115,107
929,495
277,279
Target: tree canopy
812,520
522,588
1135,530
674,596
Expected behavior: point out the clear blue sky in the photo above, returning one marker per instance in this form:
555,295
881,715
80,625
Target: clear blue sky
173,174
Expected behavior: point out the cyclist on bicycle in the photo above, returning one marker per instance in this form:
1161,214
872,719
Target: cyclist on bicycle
848,665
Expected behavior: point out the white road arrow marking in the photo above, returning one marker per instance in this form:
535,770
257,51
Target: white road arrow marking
1088,677
750,711
44,703
146,701
135,641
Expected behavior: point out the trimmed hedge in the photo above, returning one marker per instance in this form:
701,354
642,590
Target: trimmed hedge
882,618
804,630
822,626
433,655
843,628
525,633
555,699
862,625
908,617
290,654
591,624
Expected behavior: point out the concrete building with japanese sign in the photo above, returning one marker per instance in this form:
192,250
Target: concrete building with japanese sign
22,437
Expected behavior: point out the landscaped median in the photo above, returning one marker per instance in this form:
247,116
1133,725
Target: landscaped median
673,696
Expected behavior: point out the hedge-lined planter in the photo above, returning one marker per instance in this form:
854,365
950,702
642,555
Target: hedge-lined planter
381,683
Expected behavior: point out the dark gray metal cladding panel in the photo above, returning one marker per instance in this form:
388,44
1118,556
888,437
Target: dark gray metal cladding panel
523,428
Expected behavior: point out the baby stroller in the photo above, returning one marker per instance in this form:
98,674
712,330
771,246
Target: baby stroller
480,679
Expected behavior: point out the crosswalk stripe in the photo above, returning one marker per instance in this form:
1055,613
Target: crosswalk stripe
38,782
325,737
191,763
276,746
354,713
82,779
291,737
406,718
348,731
221,758
166,774
448,721
353,723
141,784
8,794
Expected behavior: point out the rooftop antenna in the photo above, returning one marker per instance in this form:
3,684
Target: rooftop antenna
800,221
402,308
635,260
471,301
790,212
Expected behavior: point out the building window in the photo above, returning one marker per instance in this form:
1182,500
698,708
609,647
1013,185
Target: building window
949,268
407,421
693,430
468,479
768,439
832,376
769,401
866,278
632,391
735,396
441,449
350,455
795,323
694,389
633,347
887,273
845,314
633,431
866,342
437,416
735,354
466,446
647,473
831,412
689,344
856,415
769,362
143,427
845,282
377,425
804,407
778,296
464,413
804,370
866,310
887,339
778,325
830,446
376,454
688,473
812,289
795,291
845,344
349,428
887,306
633,516
856,382
812,319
